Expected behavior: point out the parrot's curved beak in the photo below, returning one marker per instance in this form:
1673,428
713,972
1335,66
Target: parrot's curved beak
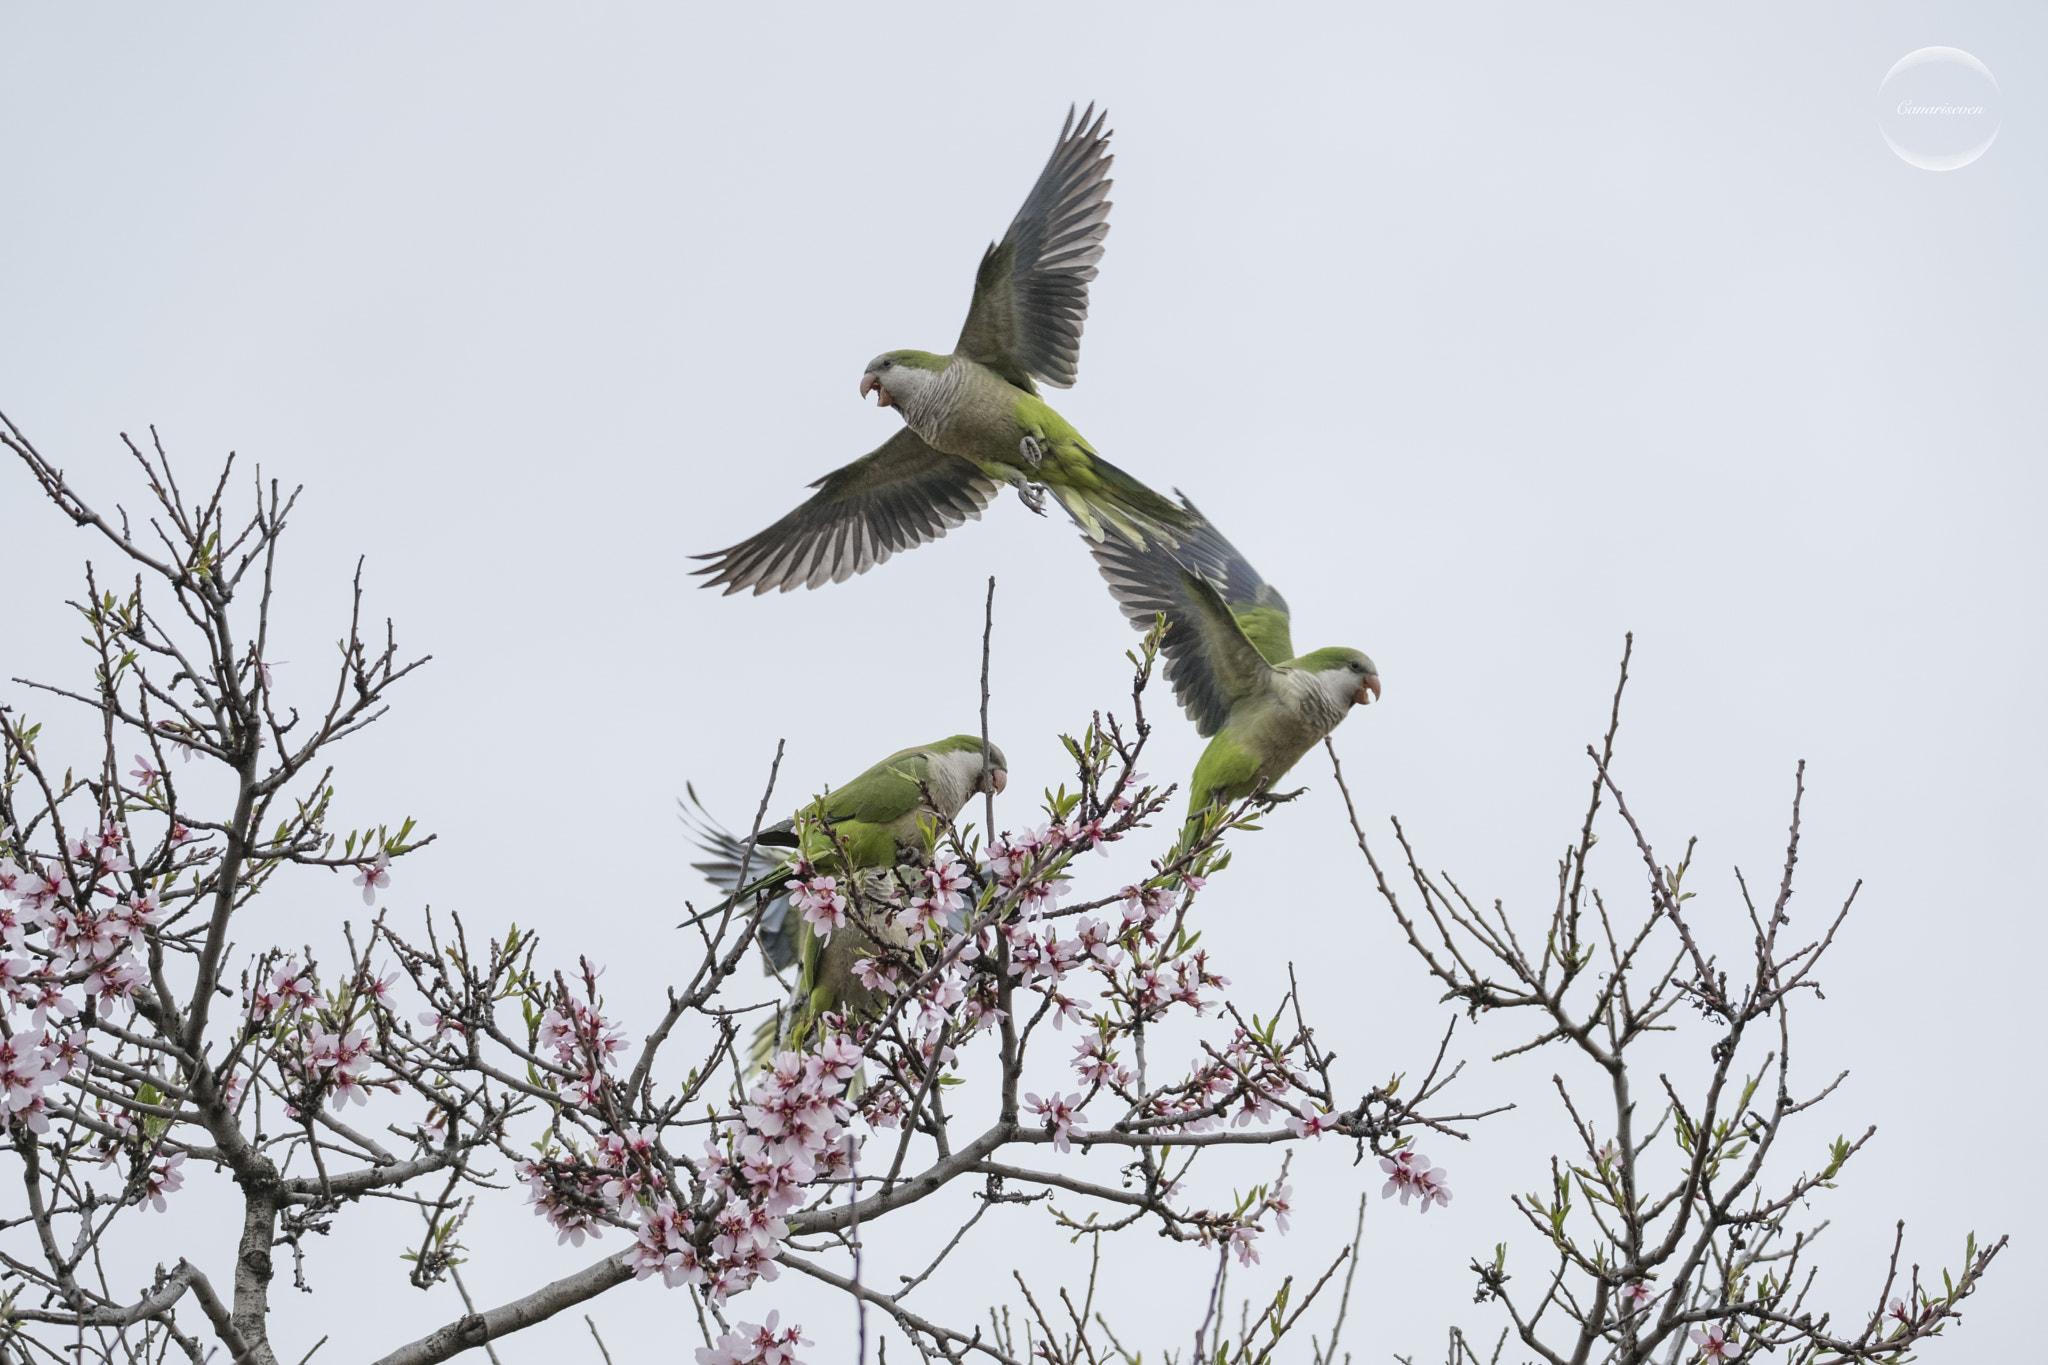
1368,691
999,779
871,383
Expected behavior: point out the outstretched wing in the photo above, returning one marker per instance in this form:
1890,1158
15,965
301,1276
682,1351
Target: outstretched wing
1227,625
723,869
894,498
1031,292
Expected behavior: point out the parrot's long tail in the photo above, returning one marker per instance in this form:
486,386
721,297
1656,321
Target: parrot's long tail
1113,501
739,897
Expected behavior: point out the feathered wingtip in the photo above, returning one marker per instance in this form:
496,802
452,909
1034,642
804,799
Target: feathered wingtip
729,869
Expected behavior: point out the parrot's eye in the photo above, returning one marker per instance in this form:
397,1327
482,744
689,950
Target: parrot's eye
887,363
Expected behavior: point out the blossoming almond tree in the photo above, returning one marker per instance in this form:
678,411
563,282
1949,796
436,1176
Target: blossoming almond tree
155,1049
152,1042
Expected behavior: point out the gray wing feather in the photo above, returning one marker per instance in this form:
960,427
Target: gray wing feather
777,934
896,497
1031,291
1203,659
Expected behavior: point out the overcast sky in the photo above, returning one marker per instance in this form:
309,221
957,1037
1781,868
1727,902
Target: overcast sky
1487,337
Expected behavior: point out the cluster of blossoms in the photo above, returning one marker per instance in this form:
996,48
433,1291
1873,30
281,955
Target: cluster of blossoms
330,1057
286,994
1059,1113
88,938
1024,866
1409,1173
336,1060
755,1344
791,1134
33,1058
819,900
581,1041
577,1192
1249,1074
85,939
723,1231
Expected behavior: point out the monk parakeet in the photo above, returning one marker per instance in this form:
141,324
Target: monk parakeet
1231,660
876,818
973,419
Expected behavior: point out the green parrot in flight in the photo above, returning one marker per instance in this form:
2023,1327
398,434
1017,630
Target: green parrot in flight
877,818
973,419
1230,658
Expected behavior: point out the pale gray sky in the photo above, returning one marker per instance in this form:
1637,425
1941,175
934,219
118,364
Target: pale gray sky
1487,336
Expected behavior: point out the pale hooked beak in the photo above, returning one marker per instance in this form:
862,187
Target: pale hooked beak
1371,686
870,382
999,779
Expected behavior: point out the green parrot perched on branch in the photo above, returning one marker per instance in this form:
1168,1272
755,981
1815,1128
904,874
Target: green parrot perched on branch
1230,657
878,821
973,419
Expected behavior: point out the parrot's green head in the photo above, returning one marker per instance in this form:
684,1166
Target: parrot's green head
900,378
1347,677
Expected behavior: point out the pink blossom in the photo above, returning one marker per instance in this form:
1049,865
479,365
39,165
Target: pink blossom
116,979
1714,1344
1316,1124
572,1220
373,877
180,737
940,893
1279,1202
163,1178
1241,1239
820,903
141,912
447,1032
1067,1009
145,772
39,890
25,1069
874,976
1405,1170
1060,1114
661,1247
1635,1296
1095,940
1147,903
1096,1065
755,1344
